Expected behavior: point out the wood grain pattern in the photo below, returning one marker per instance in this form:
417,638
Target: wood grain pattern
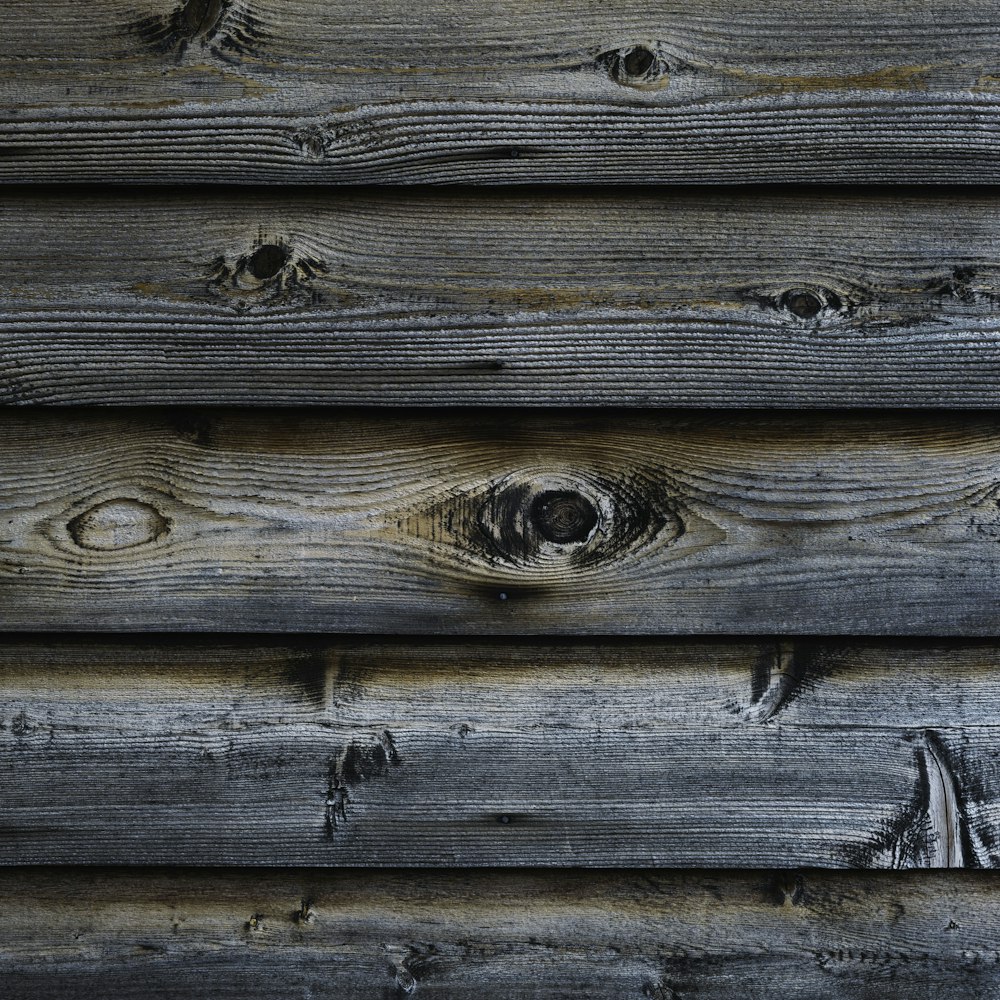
565,522
622,936
326,90
694,754
701,298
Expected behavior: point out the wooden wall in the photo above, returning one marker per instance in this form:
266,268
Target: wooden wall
499,501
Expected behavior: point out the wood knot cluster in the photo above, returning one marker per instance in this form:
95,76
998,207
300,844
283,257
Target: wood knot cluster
357,762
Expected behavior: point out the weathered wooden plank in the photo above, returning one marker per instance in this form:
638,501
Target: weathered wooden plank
704,298
566,522
622,935
684,754
327,90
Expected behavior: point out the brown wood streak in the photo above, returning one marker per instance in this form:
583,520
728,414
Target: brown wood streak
311,90
418,521
420,753
147,934
654,298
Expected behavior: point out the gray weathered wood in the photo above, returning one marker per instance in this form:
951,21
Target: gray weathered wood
499,522
704,298
139,935
330,90
683,754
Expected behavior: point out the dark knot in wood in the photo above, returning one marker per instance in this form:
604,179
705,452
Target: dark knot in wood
576,520
805,305
198,18
563,517
808,303
267,261
640,66
638,61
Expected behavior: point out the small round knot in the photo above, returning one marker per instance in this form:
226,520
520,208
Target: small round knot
563,516
266,261
802,303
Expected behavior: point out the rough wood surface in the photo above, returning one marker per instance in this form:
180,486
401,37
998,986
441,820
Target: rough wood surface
333,91
498,521
793,298
693,754
130,935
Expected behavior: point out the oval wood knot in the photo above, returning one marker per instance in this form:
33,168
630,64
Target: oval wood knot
121,523
545,519
269,273
641,66
808,303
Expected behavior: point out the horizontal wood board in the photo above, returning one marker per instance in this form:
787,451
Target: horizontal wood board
704,298
331,91
472,935
683,754
499,522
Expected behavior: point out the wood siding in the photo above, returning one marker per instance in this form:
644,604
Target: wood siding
588,91
499,522
143,934
643,298
499,501
695,754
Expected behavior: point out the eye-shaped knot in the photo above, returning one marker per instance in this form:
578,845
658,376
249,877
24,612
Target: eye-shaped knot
122,523
809,303
270,272
643,67
266,261
536,520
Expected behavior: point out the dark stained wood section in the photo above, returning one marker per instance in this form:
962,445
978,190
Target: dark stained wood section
146,934
687,754
501,522
681,297
333,91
